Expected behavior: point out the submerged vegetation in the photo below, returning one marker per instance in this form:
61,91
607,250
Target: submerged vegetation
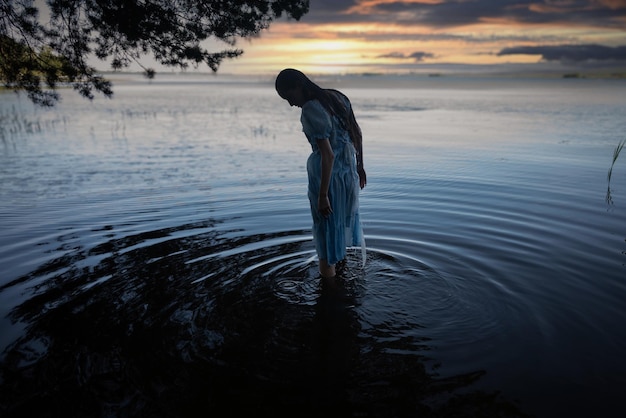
14,123
616,152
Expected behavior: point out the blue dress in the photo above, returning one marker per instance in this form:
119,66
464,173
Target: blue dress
342,228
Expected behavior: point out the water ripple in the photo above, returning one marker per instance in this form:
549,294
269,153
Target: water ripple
157,259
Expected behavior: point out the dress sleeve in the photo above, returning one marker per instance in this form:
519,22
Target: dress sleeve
316,122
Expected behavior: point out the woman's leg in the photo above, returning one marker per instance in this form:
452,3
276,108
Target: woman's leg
327,270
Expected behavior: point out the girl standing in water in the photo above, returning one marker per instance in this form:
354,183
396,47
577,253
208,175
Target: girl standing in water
335,166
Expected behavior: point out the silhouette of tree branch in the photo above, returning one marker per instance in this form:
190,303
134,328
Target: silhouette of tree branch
35,56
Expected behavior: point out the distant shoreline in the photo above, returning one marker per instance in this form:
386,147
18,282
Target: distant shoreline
459,79
618,74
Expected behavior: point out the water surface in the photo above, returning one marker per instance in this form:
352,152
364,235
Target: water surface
156,254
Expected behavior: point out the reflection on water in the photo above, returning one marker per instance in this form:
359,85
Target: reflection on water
169,330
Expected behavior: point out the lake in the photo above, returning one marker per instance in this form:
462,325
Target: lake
156,256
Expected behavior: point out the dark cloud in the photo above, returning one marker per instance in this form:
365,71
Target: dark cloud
330,11
570,53
602,13
475,38
397,55
417,56
332,6
585,14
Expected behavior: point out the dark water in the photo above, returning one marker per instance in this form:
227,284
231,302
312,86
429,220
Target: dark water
156,254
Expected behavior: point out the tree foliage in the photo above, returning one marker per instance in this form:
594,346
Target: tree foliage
35,56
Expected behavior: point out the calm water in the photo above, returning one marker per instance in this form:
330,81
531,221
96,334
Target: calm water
156,254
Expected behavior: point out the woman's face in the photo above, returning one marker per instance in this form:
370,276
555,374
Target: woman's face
295,96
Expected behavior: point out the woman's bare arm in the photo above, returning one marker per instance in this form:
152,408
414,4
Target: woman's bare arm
328,158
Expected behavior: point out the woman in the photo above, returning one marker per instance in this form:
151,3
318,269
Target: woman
335,166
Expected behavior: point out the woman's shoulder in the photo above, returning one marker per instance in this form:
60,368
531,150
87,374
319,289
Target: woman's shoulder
314,108
312,104
315,119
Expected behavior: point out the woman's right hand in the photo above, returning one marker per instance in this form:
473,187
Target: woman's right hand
362,177
323,206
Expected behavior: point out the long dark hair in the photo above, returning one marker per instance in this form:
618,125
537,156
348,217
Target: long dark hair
331,99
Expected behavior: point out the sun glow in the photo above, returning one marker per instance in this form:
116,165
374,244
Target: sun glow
379,44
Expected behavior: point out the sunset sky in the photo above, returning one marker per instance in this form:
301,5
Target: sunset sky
353,36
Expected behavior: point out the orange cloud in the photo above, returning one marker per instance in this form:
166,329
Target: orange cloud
384,35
